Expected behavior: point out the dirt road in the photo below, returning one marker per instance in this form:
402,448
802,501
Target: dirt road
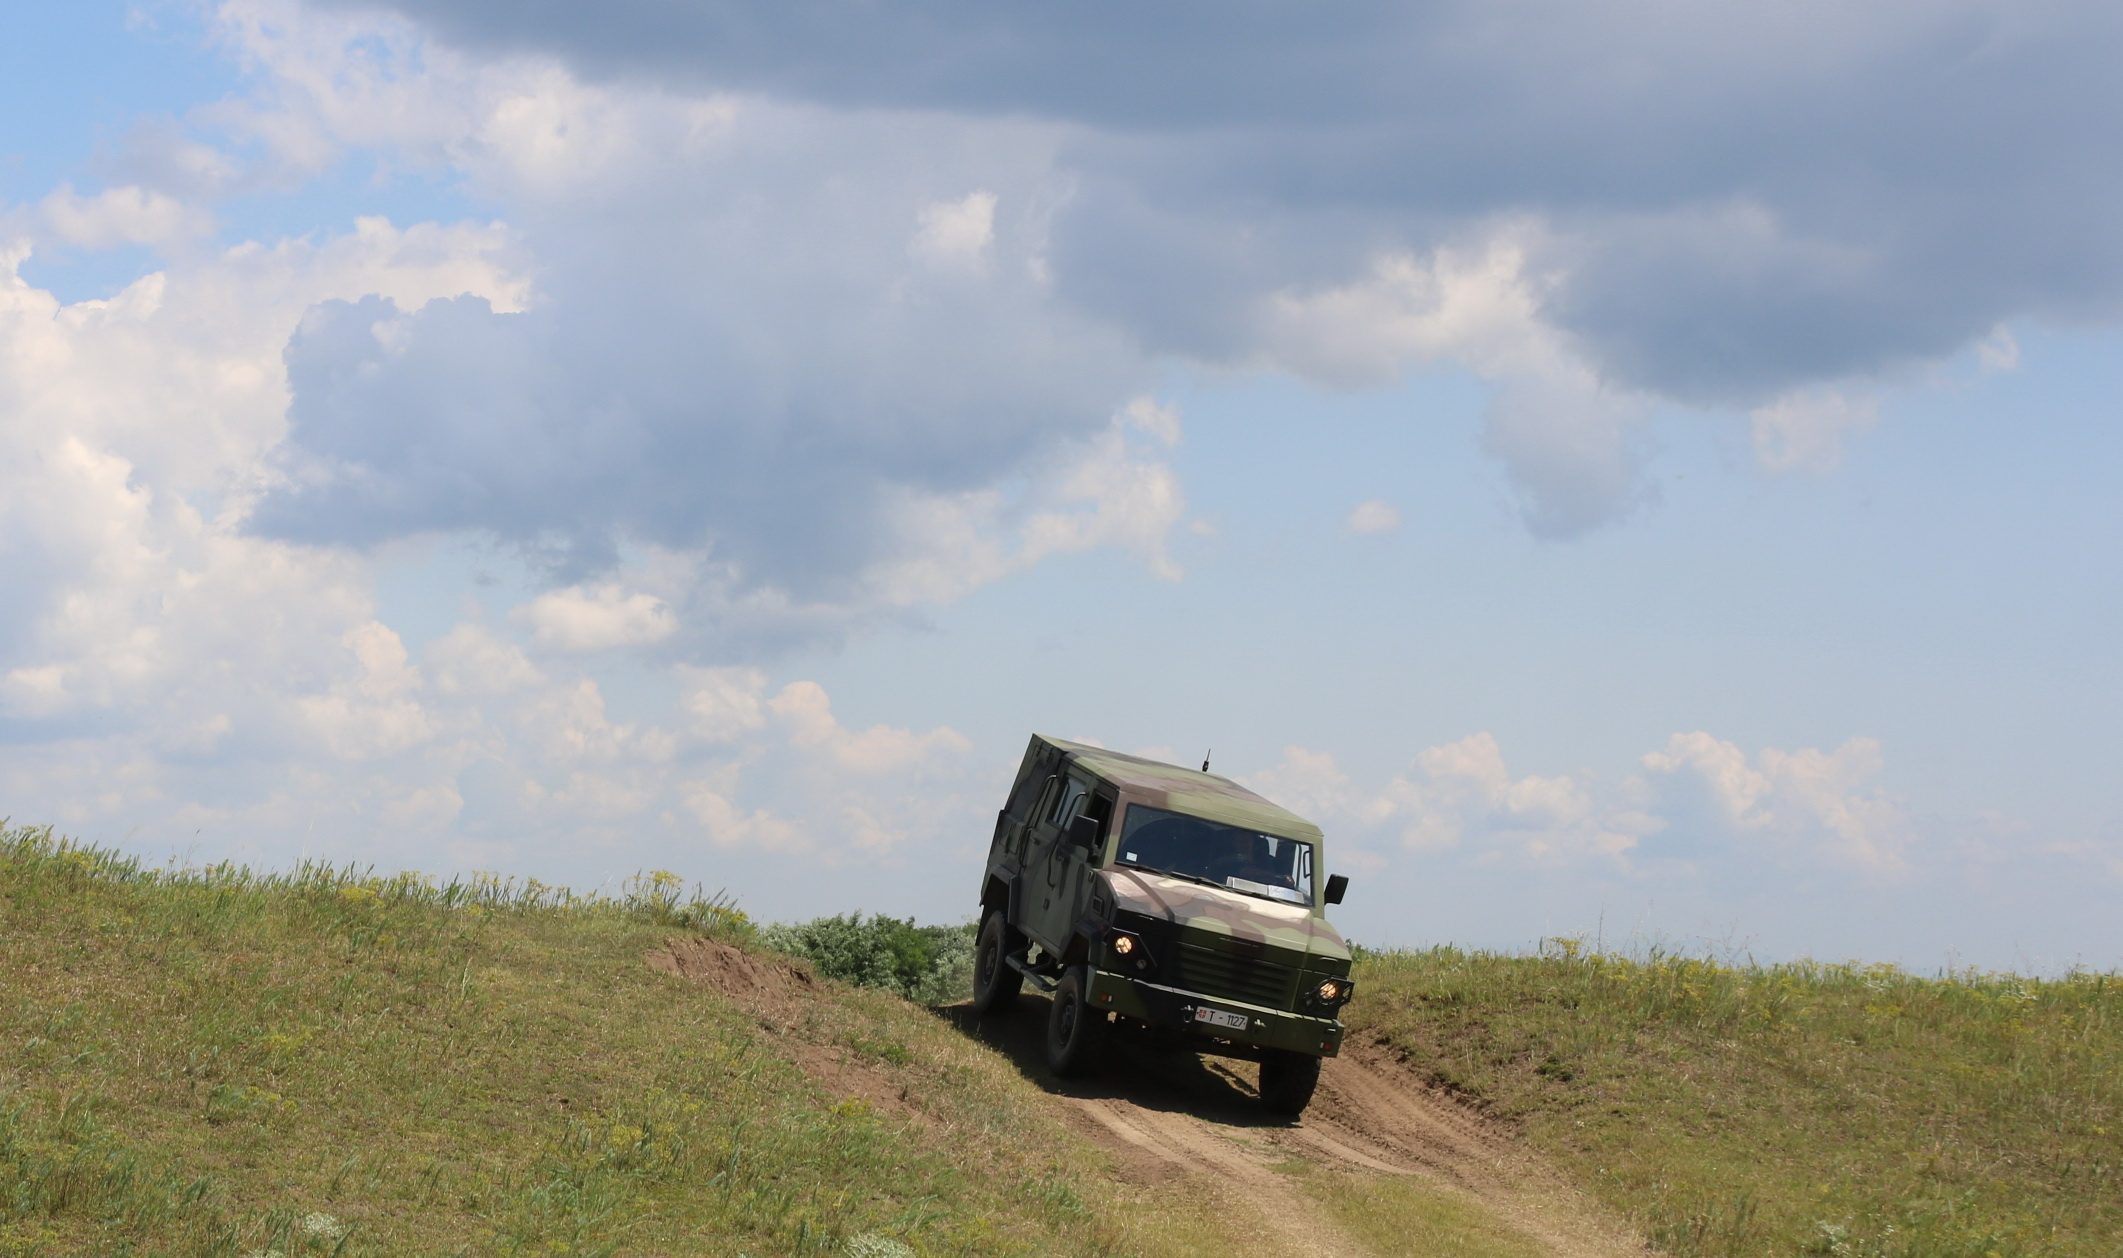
1177,1117
1191,1126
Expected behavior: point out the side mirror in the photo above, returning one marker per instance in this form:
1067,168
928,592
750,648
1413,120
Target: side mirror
1083,832
1337,886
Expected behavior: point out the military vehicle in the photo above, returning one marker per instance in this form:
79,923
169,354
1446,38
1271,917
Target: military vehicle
1152,900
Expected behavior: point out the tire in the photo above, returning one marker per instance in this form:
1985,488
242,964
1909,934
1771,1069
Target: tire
995,984
1288,1080
1074,1029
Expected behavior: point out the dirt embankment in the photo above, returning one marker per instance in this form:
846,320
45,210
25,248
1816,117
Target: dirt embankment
782,994
1187,1125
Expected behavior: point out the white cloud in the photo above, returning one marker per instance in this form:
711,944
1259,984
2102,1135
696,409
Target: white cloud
1373,516
1309,783
729,826
1571,445
1805,431
1999,351
121,216
1113,490
1811,802
1481,306
133,433
725,703
376,710
470,660
170,676
1461,797
956,233
807,714
601,617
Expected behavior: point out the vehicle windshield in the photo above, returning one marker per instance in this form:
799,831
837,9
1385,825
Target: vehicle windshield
1266,865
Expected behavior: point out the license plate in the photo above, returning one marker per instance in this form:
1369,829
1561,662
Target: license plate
1217,1017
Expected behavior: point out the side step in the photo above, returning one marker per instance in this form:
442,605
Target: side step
1041,981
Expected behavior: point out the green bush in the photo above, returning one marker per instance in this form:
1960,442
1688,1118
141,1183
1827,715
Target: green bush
930,964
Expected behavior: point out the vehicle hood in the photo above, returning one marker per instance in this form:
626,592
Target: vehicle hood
1214,910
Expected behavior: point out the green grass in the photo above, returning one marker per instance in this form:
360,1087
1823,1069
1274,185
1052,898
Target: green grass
1407,1215
220,1063
1794,1109
214,1062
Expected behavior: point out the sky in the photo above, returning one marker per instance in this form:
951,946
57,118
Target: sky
1631,470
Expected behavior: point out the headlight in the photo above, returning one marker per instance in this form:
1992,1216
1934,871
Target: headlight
1333,991
1124,944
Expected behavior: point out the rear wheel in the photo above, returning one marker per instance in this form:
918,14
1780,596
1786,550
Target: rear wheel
1288,1080
1074,1028
995,983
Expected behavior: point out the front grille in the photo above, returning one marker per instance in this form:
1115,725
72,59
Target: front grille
1212,973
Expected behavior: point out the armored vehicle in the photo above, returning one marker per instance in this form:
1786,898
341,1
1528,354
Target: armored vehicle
1152,900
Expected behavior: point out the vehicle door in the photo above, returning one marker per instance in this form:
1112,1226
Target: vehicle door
1039,878
1071,866
1013,825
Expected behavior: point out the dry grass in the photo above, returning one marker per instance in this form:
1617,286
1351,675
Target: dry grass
1797,1109
218,1063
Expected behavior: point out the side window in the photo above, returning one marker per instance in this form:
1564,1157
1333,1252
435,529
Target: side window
1067,804
1049,795
1026,796
1101,807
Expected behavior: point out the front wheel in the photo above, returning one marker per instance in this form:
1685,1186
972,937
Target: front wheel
1288,1080
1073,1026
996,982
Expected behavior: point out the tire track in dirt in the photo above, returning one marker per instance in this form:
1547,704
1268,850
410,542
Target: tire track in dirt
1173,1119
1371,1113
1369,1116
1239,1179
1177,1117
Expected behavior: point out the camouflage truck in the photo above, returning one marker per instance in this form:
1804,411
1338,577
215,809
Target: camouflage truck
1153,900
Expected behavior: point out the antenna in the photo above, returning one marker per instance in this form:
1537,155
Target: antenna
1205,759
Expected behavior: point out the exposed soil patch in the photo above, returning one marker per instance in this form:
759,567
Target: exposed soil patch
767,987
1370,1112
782,994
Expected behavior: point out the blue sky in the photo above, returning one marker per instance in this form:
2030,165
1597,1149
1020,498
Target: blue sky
1621,473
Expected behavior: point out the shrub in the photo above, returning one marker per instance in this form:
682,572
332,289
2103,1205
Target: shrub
930,964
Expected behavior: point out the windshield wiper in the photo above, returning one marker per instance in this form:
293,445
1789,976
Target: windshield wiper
1174,873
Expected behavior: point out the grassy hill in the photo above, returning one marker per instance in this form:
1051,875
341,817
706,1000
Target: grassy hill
215,1062
220,1063
1797,1109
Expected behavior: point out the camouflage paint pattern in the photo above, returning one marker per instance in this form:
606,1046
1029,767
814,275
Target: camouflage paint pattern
1191,905
1197,794
1216,911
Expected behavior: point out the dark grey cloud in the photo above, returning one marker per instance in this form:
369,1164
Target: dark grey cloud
739,346
1746,199
745,352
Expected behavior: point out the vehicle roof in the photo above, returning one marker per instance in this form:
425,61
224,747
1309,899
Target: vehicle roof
1190,791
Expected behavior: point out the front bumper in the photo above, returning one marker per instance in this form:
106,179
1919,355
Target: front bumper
1172,1009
